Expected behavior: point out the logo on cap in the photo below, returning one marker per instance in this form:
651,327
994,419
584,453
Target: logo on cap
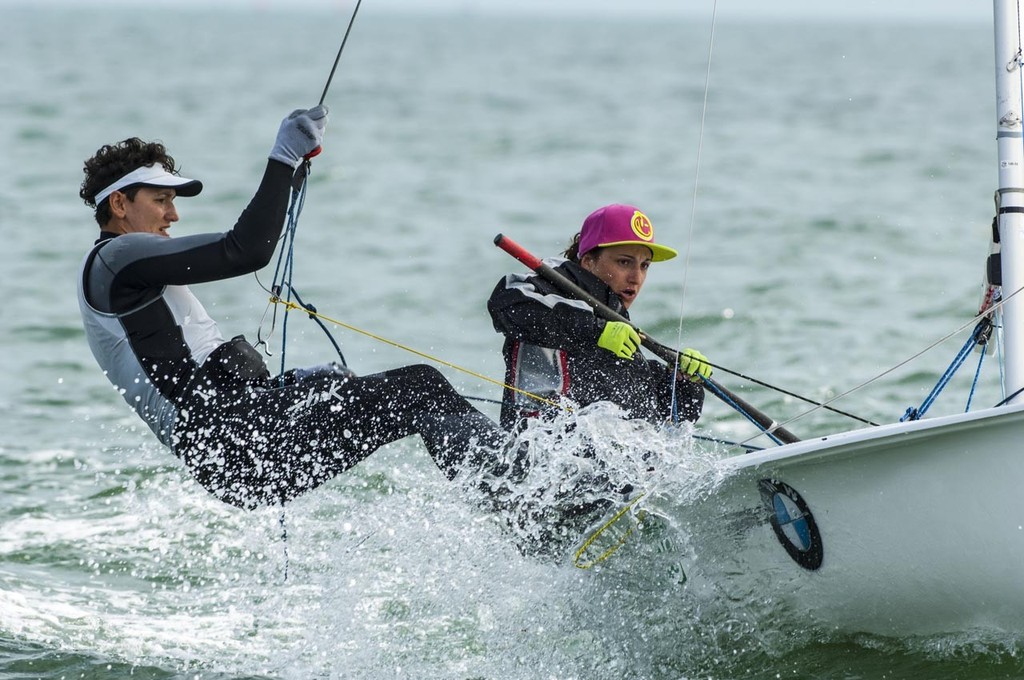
642,226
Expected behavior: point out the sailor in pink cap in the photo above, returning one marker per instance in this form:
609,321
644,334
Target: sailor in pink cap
556,346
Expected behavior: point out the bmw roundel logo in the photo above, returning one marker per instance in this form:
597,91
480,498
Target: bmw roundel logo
793,523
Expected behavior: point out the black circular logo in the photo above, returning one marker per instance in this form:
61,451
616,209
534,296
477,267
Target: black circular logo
793,523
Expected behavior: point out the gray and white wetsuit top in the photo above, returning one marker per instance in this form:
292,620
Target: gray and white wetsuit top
146,329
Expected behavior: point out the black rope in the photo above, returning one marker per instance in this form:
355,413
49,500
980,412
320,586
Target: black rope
340,49
794,395
1009,398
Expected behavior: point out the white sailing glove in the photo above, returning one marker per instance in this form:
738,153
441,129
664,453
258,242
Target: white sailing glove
300,135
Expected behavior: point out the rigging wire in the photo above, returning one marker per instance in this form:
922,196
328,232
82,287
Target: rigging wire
974,320
980,335
693,205
344,40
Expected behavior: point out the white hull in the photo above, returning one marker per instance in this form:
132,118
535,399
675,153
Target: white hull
917,527
921,527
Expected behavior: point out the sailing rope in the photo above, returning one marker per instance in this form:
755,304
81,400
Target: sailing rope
312,312
980,336
283,271
973,321
298,199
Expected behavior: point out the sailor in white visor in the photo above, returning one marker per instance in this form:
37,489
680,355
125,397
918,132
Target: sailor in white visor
247,438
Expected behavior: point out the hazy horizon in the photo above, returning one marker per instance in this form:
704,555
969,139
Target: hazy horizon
943,10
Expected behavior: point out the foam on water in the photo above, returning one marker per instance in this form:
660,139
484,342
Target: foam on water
390,567
393,570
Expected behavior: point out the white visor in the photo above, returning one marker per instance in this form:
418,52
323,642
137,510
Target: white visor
153,176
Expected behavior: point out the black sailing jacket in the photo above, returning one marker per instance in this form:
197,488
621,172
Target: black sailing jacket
551,350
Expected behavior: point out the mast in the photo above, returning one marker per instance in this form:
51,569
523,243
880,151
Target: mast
1009,102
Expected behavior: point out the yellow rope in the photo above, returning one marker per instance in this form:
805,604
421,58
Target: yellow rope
291,305
604,527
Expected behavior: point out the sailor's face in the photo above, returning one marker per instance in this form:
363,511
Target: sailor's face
152,211
622,268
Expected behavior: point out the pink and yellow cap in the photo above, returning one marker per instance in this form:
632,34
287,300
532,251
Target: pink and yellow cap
621,225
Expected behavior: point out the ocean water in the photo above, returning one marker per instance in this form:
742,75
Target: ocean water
837,227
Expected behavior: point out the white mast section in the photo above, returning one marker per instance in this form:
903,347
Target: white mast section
1010,138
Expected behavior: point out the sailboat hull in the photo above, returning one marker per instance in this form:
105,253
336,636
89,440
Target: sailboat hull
908,528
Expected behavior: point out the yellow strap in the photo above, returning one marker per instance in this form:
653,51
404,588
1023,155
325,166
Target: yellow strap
577,558
291,305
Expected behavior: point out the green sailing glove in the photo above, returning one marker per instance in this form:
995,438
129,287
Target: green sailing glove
620,339
694,364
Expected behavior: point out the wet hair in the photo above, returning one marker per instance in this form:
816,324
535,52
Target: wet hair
573,251
113,161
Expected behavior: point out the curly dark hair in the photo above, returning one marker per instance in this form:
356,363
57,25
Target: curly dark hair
113,161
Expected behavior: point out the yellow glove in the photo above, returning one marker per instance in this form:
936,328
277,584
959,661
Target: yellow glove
620,339
694,364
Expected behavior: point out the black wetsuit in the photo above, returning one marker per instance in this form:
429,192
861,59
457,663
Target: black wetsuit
246,437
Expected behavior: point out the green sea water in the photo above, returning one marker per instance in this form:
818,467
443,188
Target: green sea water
838,225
